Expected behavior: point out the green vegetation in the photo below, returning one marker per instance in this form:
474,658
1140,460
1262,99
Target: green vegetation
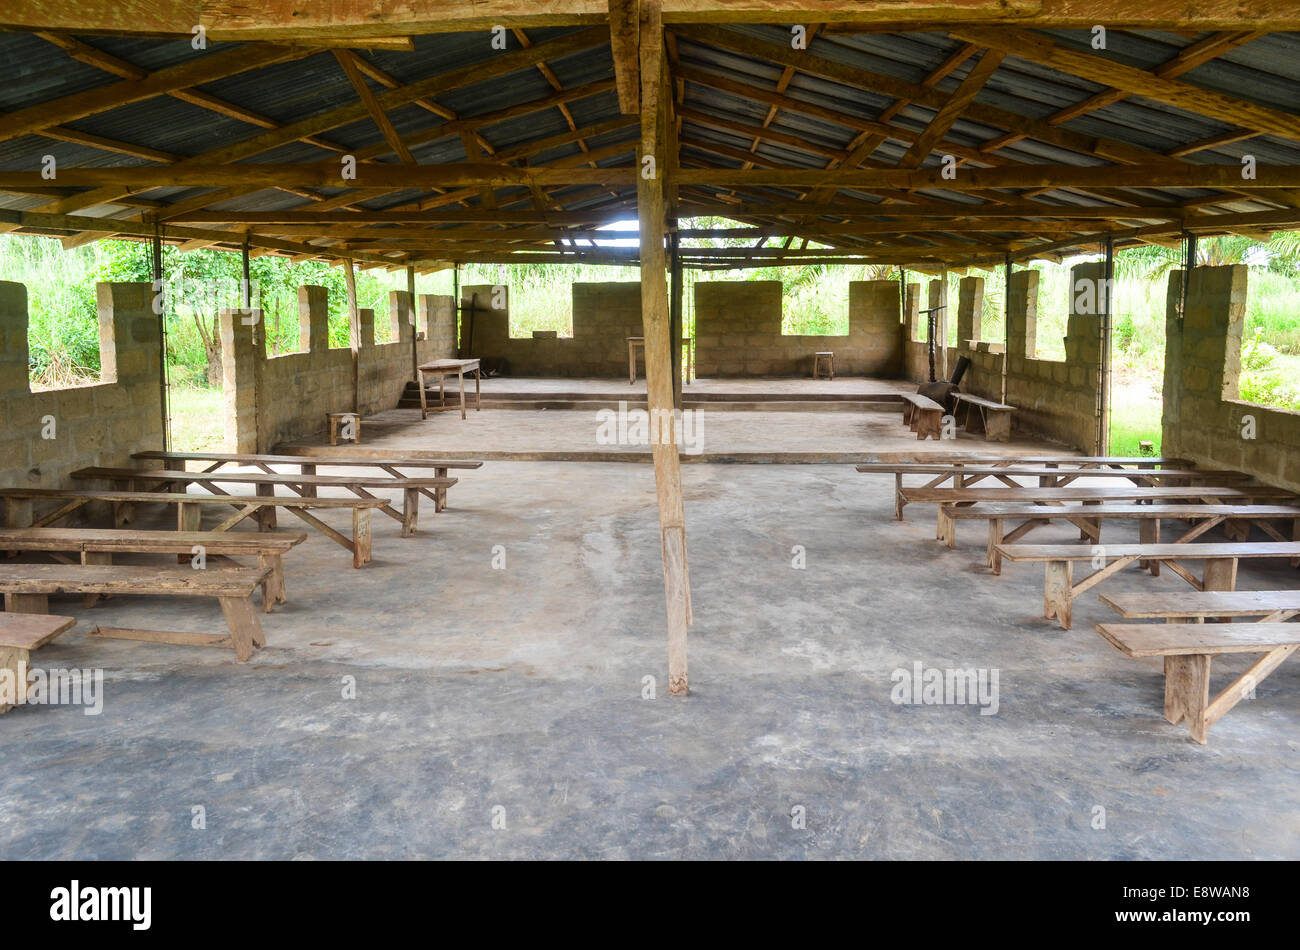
64,329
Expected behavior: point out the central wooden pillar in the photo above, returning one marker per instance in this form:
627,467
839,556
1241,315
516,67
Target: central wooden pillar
658,344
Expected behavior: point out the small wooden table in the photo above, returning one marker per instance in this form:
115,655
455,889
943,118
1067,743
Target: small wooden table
688,364
442,369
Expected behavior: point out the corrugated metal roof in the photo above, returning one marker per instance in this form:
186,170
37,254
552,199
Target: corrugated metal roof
1265,70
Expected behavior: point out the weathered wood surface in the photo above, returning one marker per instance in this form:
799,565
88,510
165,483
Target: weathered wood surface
1216,603
27,588
1188,650
1083,552
264,478
1181,639
127,579
163,542
31,631
236,458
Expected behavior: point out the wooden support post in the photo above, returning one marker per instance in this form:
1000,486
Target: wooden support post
412,315
675,321
1149,533
658,345
1187,692
354,330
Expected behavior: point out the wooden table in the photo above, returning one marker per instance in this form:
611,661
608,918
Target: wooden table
444,368
688,365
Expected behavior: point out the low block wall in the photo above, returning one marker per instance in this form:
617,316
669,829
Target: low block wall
99,424
604,316
1205,420
1055,399
285,397
738,332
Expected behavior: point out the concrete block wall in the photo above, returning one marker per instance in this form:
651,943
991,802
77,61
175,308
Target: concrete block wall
604,316
436,324
285,397
738,332
1204,418
1055,399
99,424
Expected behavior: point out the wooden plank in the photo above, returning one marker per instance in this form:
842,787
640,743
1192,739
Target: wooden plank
22,631
1194,99
625,36
87,495
348,61
126,579
1076,552
1183,639
177,637
1108,493
1123,512
1241,603
263,478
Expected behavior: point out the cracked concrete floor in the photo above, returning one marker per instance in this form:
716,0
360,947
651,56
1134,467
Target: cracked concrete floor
522,688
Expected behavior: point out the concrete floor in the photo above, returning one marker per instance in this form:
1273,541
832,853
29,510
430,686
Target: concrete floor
522,688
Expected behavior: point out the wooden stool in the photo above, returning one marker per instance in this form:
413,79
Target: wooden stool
828,358
337,418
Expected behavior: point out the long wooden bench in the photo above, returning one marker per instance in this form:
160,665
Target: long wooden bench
984,415
20,634
189,509
1060,590
1187,649
1236,520
967,476
305,486
307,465
922,415
1271,606
98,545
27,588
1032,495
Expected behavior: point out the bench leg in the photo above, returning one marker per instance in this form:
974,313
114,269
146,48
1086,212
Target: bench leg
27,603
1187,692
1220,574
245,628
410,510
360,536
266,514
998,427
1149,533
273,587
188,516
994,558
14,662
440,494
308,491
1056,591
96,557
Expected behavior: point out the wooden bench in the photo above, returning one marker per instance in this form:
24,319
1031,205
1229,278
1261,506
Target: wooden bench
27,588
1187,649
964,475
189,508
307,465
922,415
98,545
20,634
264,484
1236,520
1271,606
1030,495
1059,589
984,415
